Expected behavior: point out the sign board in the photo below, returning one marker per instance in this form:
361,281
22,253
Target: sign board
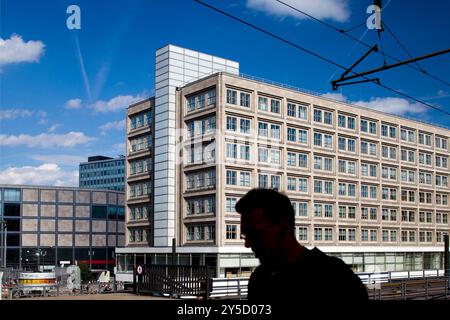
140,269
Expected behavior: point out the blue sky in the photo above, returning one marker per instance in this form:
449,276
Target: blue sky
63,92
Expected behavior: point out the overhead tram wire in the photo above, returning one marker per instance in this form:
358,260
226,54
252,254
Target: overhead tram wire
402,46
362,42
315,54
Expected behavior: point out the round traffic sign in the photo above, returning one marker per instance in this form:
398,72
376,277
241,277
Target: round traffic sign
139,269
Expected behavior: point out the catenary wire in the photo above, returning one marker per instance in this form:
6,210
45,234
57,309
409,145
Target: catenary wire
315,54
362,42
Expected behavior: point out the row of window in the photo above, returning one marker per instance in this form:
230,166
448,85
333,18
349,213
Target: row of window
199,153
349,212
140,166
349,234
200,100
109,182
140,189
200,232
105,164
201,127
141,143
201,180
326,117
139,235
140,213
201,205
143,119
272,156
102,173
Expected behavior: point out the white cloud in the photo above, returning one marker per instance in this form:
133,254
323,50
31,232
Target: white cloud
11,114
114,125
322,9
15,50
119,147
54,127
45,140
46,174
62,159
335,96
115,104
73,104
392,105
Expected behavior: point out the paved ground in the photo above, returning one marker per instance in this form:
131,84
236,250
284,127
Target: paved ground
106,296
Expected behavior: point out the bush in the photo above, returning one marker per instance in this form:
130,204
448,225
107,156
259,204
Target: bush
86,274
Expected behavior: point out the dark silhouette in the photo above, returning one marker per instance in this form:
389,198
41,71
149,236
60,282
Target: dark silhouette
288,270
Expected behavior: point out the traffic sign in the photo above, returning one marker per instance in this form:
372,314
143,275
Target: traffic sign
140,269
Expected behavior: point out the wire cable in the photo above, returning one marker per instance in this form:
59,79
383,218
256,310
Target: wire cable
403,47
313,53
362,42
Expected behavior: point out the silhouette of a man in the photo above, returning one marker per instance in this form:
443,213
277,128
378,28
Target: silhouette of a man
288,270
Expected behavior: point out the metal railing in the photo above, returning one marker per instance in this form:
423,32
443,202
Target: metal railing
389,276
426,288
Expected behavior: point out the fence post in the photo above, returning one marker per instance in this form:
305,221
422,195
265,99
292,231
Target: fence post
239,289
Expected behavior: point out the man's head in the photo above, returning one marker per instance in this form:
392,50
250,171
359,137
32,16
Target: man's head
267,218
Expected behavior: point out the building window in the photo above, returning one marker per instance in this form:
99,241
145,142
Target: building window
231,177
245,99
231,231
230,204
245,125
274,106
262,103
231,96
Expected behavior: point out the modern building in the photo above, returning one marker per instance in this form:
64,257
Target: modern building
102,172
49,226
369,187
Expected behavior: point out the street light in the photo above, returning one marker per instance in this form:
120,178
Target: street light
39,253
90,253
3,241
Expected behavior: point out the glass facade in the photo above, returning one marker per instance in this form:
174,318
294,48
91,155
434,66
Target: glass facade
104,174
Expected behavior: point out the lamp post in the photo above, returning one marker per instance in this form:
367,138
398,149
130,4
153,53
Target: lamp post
39,253
3,240
90,253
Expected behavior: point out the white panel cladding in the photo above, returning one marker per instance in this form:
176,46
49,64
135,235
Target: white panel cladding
174,67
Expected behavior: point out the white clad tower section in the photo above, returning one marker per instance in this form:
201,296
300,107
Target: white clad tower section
174,67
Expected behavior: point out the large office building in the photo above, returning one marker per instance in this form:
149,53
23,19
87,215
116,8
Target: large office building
49,226
369,187
101,172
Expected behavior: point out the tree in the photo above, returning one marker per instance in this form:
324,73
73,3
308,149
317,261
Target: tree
86,274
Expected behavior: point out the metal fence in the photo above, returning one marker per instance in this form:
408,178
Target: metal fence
177,281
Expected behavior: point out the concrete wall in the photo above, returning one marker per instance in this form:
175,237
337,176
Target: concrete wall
98,226
30,195
65,211
29,240
29,210
82,211
29,224
82,240
47,240
65,196
48,210
82,197
48,195
99,197
65,240
65,225
82,226
48,225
